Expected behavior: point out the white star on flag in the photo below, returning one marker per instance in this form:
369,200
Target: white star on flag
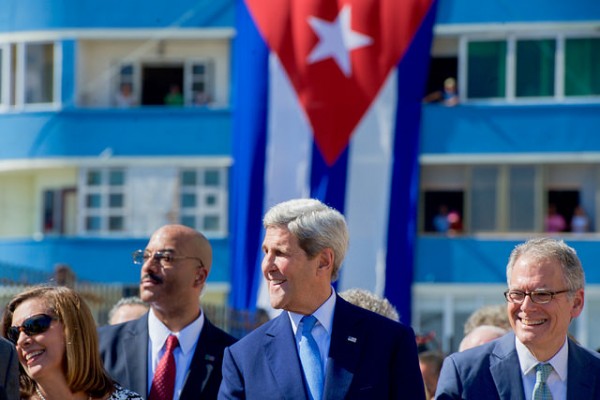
337,40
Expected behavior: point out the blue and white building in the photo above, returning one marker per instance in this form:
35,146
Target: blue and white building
84,180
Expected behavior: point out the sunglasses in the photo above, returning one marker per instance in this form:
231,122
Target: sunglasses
31,326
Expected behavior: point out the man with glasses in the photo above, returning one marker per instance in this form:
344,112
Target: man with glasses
173,351
537,360
9,371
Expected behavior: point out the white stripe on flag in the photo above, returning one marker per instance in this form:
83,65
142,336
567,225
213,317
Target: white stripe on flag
368,192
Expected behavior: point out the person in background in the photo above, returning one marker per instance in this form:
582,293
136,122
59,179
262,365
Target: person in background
370,301
480,335
494,314
9,371
127,309
125,97
537,360
554,221
174,97
174,337
55,336
580,222
320,346
440,221
430,363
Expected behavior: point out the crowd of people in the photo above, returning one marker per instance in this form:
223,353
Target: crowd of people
323,345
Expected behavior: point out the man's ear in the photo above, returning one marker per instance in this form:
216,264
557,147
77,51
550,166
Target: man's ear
326,258
200,277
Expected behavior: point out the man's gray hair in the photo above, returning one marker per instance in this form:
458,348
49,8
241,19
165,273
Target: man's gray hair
316,225
548,248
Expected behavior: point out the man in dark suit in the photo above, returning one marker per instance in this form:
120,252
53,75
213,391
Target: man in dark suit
545,293
9,371
354,353
175,265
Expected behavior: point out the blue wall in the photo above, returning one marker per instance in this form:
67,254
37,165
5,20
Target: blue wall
471,260
510,129
32,15
481,12
95,259
145,131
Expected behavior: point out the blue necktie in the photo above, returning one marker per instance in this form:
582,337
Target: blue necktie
310,357
541,391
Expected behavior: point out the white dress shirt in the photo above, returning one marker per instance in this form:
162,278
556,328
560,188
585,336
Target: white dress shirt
188,338
557,380
322,329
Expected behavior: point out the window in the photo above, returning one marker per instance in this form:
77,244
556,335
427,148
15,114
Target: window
521,198
525,68
483,198
30,74
39,73
203,199
59,211
138,200
192,82
486,66
535,68
3,77
201,83
582,67
103,201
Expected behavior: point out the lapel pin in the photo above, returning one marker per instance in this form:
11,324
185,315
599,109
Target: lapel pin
352,339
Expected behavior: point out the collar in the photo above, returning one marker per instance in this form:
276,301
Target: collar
323,314
187,337
528,362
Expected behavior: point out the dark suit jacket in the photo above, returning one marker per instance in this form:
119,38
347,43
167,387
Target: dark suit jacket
9,371
491,371
124,351
370,357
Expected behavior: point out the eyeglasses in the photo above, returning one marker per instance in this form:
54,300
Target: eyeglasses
31,326
537,296
165,258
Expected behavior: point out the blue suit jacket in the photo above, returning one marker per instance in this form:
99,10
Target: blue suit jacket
9,371
491,371
370,357
124,351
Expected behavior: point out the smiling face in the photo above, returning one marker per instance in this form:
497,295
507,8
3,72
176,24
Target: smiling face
296,283
40,355
542,327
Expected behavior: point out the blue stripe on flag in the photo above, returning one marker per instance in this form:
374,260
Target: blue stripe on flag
249,143
405,177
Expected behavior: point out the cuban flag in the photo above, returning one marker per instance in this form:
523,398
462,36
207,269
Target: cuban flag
327,105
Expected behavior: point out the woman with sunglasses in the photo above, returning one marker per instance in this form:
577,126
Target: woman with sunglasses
57,345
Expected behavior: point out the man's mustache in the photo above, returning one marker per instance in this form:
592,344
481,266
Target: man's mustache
153,277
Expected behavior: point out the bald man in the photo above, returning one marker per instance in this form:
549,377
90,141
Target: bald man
174,267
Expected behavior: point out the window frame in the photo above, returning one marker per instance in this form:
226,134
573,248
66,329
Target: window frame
14,67
511,39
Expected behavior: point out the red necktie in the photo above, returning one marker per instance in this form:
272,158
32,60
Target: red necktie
163,384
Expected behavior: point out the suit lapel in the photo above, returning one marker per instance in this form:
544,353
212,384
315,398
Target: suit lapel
581,375
282,358
202,365
135,349
504,367
344,351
